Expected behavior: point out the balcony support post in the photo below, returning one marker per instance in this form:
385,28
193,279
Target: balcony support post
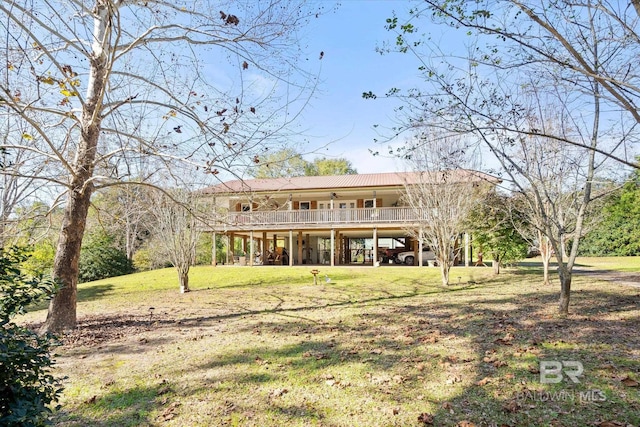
466,249
251,256
213,249
375,246
265,246
300,247
333,247
420,260
290,248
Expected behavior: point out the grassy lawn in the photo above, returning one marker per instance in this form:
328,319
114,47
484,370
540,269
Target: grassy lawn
381,346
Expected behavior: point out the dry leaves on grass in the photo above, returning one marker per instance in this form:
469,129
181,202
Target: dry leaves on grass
426,419
613,424
169,412
629,382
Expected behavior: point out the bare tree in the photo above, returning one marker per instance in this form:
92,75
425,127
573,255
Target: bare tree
588,44
17,189
548,91
177,229
125,213
102,86
442,191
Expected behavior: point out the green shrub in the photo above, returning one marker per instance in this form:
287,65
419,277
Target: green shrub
40,259
27,388
142,260
100,258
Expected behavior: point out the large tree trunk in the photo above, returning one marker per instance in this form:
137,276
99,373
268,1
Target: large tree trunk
62,309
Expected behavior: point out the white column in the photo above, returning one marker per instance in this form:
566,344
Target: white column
213,249
375,244
467,248
420,260
333,247
251,253
290,248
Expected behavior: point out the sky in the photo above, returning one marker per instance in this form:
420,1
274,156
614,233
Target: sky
339,122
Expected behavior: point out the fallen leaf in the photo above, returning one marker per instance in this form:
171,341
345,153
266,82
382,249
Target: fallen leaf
484,381
465,423
511,406
426,419
499,363
629,382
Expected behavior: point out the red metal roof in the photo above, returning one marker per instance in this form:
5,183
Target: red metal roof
301,183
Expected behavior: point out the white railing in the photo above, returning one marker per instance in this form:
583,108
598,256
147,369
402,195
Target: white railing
321,217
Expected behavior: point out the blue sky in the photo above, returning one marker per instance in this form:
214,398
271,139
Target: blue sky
338,115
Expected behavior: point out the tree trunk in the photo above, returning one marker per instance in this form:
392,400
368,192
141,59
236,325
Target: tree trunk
545,270
565,289
496,264
62,309
184,281
445,269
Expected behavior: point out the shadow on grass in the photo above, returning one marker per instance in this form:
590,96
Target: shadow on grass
497,339
508,338
85,293
118,408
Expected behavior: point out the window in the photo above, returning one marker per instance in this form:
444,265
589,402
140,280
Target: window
368,203
246,207
305,206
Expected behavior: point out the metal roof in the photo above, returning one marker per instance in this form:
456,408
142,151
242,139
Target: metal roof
302,183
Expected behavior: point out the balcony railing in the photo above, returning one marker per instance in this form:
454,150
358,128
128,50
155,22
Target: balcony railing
319,217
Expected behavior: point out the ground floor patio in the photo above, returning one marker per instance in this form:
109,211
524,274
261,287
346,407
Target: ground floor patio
334,246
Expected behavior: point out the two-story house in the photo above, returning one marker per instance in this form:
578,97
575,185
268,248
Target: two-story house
334,220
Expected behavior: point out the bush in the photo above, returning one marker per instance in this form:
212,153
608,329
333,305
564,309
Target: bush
142,260
100,259
40,259
27,387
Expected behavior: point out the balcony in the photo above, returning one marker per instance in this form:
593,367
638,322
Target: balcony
317,218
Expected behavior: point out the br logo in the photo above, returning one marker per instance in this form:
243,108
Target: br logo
553,371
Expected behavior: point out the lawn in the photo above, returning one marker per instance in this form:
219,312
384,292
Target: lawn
381,346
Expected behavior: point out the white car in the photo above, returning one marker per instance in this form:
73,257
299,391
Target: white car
409,257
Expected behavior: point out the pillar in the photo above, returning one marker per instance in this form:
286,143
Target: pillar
333,245
265,247
466,250
251,255
375,245
420,260
299,247
290,248
213,249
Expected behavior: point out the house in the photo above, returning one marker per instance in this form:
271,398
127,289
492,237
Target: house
333,220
